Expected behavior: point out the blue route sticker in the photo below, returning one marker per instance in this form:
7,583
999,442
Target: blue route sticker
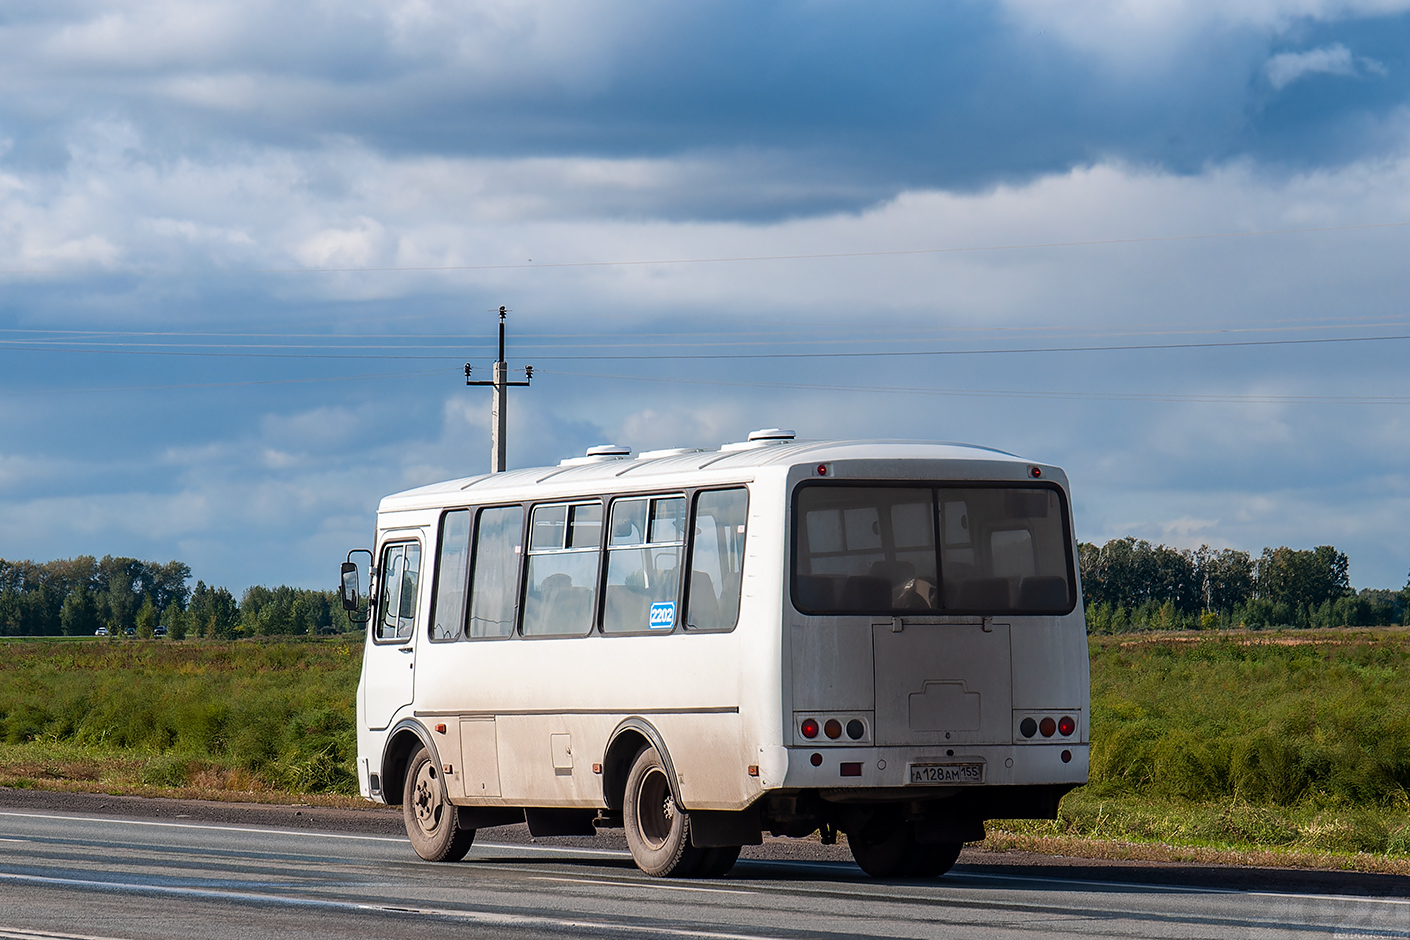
663,615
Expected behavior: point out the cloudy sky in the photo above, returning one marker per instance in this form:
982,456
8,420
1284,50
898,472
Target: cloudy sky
247,247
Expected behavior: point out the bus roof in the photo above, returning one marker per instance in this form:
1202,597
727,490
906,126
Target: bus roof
646,470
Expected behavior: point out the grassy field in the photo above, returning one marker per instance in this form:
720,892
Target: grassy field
1290,745
200,717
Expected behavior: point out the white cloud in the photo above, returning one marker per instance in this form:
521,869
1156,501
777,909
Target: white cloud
320,465
1131,29
1287,67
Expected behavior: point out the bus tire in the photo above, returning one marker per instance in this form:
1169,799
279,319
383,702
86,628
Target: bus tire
658,831
933,860
886,854
432,821
716,862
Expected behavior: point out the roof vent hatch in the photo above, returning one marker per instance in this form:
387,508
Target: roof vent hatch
599,454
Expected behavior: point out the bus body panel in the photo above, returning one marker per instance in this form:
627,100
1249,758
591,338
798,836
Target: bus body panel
523,721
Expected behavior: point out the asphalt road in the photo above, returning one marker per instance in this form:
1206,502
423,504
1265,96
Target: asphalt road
86,875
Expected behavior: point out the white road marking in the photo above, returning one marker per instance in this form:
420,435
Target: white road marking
1176,889
171,825
304,833
17,933
484,917
572,850
655,885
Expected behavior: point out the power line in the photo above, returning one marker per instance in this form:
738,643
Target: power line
1032,394
1019,393
815,256
32,390
20,346
681,339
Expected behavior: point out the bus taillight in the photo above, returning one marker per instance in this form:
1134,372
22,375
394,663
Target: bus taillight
810,728
1066,725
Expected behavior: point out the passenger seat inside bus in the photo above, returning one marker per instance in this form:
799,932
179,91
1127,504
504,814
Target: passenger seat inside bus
984,594
704,604
1042,593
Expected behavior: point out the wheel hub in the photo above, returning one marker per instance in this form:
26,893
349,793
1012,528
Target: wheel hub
426,800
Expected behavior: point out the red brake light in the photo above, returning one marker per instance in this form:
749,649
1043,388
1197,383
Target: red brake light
810,728
1066,726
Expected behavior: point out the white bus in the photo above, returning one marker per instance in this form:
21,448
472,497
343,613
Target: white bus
882,639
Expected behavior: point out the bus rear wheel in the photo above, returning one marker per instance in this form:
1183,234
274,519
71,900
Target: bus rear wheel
658,831
432,821
897,854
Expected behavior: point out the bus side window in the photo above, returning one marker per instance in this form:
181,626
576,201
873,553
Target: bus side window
448,604
643,565
495,587
401,567
562,573
717,559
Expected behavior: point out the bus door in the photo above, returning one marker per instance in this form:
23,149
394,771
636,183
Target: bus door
389,663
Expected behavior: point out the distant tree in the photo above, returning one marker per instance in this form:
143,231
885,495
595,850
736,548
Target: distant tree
174,619
167,583
1131,572
1302,579
120,584
212,613
1225,577
147,618
79,616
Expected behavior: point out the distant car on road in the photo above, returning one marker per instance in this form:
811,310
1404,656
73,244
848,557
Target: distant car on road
158,632
129,631
101,631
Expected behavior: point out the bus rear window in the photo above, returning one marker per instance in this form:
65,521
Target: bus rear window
961,549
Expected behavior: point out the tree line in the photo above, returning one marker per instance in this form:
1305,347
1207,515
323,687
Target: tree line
1130,585
76,596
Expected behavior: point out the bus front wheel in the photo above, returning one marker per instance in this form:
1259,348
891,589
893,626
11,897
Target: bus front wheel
432,821
658,831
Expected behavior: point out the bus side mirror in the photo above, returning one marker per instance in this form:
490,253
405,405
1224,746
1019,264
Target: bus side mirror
347,588
349,592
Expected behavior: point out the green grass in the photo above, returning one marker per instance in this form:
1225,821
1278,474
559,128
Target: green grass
1291,743
1286,719
248,716
1295,743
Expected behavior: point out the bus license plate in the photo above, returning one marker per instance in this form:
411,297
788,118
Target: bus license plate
947,773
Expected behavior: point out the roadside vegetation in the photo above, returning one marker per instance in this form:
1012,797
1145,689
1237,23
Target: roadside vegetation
1241,737
208,719
1234,746
1294,742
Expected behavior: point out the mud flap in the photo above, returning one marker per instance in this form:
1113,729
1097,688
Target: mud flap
561,822
931,831
710,828
483,817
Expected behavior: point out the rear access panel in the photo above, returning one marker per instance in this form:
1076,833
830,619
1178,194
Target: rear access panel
942,683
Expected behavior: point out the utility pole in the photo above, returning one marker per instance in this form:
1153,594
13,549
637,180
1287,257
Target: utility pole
499,411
